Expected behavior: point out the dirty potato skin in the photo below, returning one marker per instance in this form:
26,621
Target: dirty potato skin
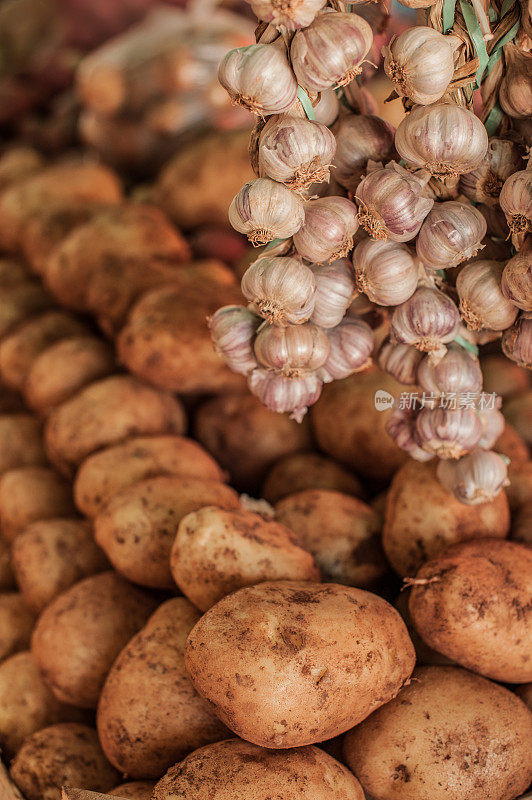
423,518
137,527
64,754
253,773
80,633
448,735
216,552
28,494
288,663
474,604
149,714
341,532
134,790
302,471
16,624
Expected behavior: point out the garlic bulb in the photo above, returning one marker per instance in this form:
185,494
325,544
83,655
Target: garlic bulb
444,138
281,288
493,424
360,99
448,433
457,372
330,51
391,203
428,320
475,478
287,14
233,330
328,230
282,394
517,342
515,92
515,200
484,184
293,350
516,283
451,233
335,289
327,108
360,138
385,271
401,361
495,220
259,78
296,151
401,426
351,344
420,63
482,303
266,210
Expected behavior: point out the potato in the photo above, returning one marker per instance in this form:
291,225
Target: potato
501,376
19,302
21,442
472,603
425,655
349,427
65,368
12,272
149,714
522,523
29,494
106,413
519,490
512,445
137,527
19,163
525,693
79,635
253,772
26,703
449,735
300,471
134,790
19,350
423,518
288,663
246,438
518,412
51,555
104,474
64,754
216,552
341,532
16,624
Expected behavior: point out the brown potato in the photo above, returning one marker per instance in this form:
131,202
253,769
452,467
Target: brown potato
104,474
19,163
522,523
473,604
106,413
288,663
253,772
79,635
19,302
503,377
64,754
423,518
65,368
149,714
448,735
21,442
425,655
216,552
29,494
7,579
518,412
12,272
51,555
134,790
519,491
512,445
299,471
137,527
16,624
246,438
341,532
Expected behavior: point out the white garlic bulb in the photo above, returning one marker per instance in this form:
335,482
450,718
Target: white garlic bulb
401,426
451,233
287,14
351,345
493,424
327,108
420,63
443,138
448,433
401,361
517,342
457,372
265,210
385,271
233,330
293,350
428,320
484,184
328,230
281,288
516,283
515,92
475,478
259,78
335,289
285,395
482,303
515,200
360,138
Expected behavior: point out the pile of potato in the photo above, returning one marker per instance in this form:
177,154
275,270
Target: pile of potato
162,634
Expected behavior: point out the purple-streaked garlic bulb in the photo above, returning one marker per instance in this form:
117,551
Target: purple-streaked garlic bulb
281,288
328,230
493,424
285,395
401,361
420,63
482,302
456,373
289,15
475,478
484,184
293,350
401,426
448,433
351,345
516,282
428,320
259,78
233,330
335,289
264,210
517,342
451,233
386,271
360,138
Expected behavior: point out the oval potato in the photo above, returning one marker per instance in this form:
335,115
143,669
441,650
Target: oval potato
19,302
300,471
134,790
29,494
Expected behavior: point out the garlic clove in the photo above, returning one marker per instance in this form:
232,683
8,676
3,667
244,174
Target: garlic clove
475,478
328,230
335,290
452,232
456,373
482,303
517,342
448,433
401,361
385,271
484,184
351,345
493,424
420,64
265,210
294,350
288,15
428,320
360,138
233,330
285,395
281,288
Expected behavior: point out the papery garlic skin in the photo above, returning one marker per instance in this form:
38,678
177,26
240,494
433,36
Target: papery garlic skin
428,320
517,342
443,138
327,108
285,395
516,283
335,289
328,230
265,210
451,233
484,184
289,15
482,303
475,478
293,350
351,344
330,51
515,91
493,424
456,373
401,361
515,200
401,426
281,288
233,330
360,138
385,271
420,64
495,220
391,203
296,151
259,78
448,433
